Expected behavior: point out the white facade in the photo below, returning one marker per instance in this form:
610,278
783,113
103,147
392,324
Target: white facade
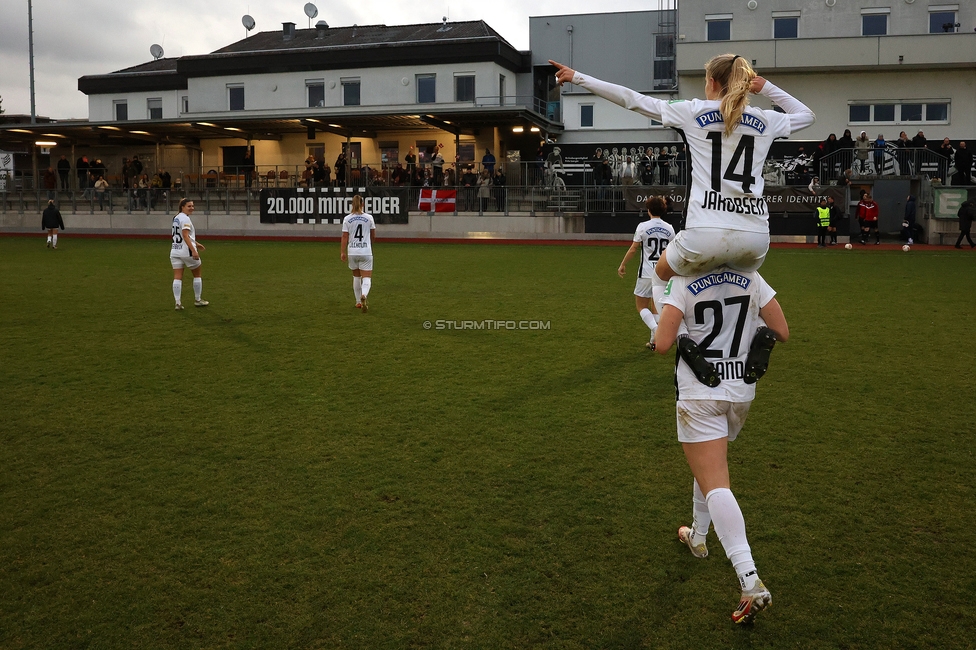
101,108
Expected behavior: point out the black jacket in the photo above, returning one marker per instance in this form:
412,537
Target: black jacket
966,215
51,218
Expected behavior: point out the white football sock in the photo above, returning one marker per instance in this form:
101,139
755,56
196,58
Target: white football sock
49,239
197,288
366,284
177,290
54,239
702,518
731,530
357,288
648,319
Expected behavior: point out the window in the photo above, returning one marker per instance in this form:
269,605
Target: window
663,70
911,112
464,88
942,22
664,46
350,92
905,113
389,153
719,27
426,88
121,111
874,22
586,115
860,113
465,152
235,98
315,88
936,112
154,108
787,27
185,104
884,113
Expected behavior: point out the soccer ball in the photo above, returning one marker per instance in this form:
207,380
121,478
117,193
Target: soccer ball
848,246
906,248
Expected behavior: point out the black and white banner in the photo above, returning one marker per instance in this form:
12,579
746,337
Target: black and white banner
329,205
780,199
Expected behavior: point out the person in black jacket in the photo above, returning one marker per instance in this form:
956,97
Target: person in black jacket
51,221
964,165
966,215
64,170
908,225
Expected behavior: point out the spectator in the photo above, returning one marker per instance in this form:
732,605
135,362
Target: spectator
966,214
318,172
906,166
438,163
411,160
484,189
81,169
51,221
846,144
398,175
948,153
488,163
681,160
664,166
814,185
340,169
125,173
844,180
248,168
498,188
155,187
166,181
867,217
861,147
50,182
879,151
964,165
101,185
326,173
919,141
64,170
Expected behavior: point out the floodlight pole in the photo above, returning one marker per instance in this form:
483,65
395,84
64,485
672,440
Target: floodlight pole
30,47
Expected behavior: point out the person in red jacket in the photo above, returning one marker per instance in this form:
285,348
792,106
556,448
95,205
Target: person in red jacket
867,216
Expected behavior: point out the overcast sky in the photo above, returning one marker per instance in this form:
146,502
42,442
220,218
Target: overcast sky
74,38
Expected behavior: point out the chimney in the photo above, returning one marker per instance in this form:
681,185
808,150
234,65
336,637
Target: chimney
321,28
287,31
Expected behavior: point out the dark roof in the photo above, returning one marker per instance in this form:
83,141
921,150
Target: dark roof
160,74
359,46
365,36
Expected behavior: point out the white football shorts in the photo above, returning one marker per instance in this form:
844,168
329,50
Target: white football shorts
702,420
361,262
698,250
643,288
184,262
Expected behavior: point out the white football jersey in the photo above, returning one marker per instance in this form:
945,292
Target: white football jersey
359,227
726,179
654,236
180,248
721,311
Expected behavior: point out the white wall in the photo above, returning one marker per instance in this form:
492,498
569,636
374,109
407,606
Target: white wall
100,107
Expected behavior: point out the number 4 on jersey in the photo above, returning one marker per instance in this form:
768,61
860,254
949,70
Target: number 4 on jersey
746,145
359,232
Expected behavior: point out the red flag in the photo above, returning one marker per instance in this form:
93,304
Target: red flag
432,200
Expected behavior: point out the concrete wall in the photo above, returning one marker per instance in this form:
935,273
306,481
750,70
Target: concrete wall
817,20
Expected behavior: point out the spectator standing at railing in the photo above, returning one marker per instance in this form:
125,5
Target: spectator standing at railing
166,181
411,160
50,182
124,173
628,172
846,143
340,169
484,189
947,151
248,168
919,141
861,148
438,164
101,185
64,169
488,162
498,188
81,169
318,173
905,163
879,149
469,182
964,165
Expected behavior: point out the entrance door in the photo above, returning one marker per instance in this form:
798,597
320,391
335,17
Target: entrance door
891,197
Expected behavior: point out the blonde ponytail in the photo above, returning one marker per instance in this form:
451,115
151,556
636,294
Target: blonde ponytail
357,204
734,75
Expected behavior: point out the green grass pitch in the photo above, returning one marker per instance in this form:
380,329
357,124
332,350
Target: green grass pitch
280,470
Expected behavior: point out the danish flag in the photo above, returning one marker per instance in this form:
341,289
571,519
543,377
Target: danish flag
432,200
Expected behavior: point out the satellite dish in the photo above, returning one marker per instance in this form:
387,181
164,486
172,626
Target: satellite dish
248,22
156,50
311,10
